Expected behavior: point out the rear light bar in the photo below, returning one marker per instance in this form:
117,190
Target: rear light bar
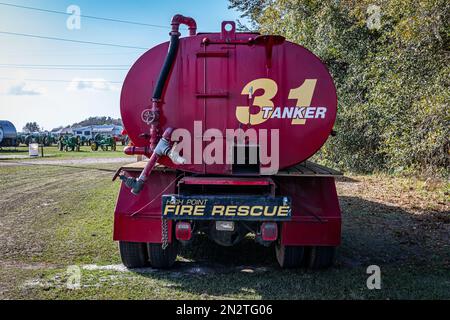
183,231
269,231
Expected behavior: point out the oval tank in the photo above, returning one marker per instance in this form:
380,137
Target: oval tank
231,80
8,134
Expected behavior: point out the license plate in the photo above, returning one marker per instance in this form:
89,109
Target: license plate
252,208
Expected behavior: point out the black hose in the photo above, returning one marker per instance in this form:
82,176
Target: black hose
167,67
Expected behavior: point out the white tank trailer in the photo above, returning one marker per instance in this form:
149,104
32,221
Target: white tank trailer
8,134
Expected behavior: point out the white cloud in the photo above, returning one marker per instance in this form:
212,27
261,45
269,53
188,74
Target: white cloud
24,89
99,84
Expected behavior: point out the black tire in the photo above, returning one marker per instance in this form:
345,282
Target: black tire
133,254
162,259
289,256
320,257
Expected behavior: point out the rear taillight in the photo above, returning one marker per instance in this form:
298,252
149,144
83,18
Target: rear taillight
269,231
183,231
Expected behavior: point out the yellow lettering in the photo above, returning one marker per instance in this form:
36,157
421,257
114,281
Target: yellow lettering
303,95
270,214
243,211
199,210
256,211
218,210
283,211
168,209
270,88
231,211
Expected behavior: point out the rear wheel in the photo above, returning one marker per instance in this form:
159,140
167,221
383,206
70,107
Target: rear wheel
133,254
289,256
320,257
162,259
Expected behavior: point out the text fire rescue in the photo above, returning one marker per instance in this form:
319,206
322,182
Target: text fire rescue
198,209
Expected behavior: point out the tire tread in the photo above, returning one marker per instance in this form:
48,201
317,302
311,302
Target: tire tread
134,254
162,259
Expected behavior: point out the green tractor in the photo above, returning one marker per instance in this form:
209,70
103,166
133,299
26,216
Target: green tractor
31,138
103,142
47,139
21,138
67,143
43,138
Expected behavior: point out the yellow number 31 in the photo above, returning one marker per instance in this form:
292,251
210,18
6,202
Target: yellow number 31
302,94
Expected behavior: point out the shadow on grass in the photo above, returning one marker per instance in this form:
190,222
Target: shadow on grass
373,233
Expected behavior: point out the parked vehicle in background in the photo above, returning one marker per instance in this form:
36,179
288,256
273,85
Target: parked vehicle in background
69,143
103,142
8,134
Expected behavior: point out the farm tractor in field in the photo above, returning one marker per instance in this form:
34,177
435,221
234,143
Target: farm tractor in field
43,138
69,143
103,142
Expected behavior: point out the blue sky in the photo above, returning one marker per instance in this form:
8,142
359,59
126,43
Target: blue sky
64,102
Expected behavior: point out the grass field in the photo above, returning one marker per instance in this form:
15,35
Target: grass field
54,153
53,217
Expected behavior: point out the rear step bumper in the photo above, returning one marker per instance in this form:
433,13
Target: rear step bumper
314,219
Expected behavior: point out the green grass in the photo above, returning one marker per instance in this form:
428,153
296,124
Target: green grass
54,217
54,153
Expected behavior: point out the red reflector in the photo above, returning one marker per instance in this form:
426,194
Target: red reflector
183,231
269,231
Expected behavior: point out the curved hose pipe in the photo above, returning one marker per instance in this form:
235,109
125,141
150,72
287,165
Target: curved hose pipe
163,148
175,156
164,76
179,19
137,151
163,79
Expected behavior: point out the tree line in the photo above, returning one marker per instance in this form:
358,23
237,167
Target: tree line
92,121
390,62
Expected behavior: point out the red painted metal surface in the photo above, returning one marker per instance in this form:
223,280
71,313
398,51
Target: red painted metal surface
316,215
206,84
138,218
224,181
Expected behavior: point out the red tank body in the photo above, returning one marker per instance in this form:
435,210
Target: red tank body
207,84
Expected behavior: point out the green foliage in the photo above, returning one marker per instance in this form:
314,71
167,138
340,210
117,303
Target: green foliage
392,81
31,127
93,121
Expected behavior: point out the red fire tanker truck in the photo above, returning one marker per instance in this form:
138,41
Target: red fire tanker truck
233,118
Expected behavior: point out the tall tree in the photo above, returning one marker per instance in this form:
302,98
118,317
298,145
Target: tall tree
390,62
31,127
